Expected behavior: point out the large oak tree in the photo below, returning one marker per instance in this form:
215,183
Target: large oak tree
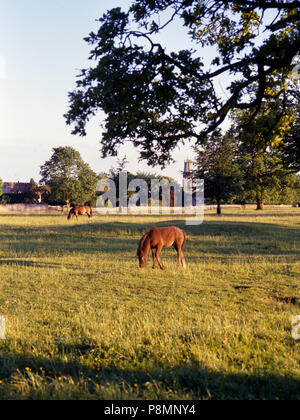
156,99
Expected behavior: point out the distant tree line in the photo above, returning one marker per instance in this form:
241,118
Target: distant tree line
148,177
67,180
258,165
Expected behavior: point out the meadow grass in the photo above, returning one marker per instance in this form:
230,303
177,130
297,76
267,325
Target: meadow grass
84,322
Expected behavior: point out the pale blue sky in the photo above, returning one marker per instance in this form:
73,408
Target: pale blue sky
42,50
41,42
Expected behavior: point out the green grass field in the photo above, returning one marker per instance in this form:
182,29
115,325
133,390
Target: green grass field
84,322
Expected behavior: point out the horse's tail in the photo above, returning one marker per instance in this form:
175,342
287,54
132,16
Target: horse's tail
91,211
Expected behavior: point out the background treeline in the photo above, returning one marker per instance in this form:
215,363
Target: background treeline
235,173
259,164
68,180
232,173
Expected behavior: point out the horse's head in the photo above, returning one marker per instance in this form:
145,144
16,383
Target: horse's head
142,258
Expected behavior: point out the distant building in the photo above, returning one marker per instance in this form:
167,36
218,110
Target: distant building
187,181
187,175
15,187
188,169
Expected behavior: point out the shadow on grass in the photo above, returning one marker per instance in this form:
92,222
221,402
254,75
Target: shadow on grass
74,380
257,214
33,215
28,263
218,237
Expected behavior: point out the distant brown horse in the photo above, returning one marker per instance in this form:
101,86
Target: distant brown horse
79,210
158,238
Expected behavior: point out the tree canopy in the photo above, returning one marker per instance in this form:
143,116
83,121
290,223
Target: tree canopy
155,189
290,146
38,192
218,165
156,99
245,171
70,179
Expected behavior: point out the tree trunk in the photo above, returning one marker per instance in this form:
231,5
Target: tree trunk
260,195
68,204
259,204
39,194
219,209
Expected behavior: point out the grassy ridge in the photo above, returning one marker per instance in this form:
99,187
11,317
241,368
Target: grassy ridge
83,321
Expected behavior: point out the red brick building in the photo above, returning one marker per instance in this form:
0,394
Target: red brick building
15,187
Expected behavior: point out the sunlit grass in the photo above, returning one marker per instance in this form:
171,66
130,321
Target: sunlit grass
83,321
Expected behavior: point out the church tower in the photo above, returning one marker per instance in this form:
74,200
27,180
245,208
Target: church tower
187,181
188,169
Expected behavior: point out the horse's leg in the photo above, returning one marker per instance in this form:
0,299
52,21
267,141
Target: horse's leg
182,260
154,257
178,254
182,257
158,249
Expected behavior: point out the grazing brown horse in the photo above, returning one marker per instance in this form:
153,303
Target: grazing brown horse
79,210
158,238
